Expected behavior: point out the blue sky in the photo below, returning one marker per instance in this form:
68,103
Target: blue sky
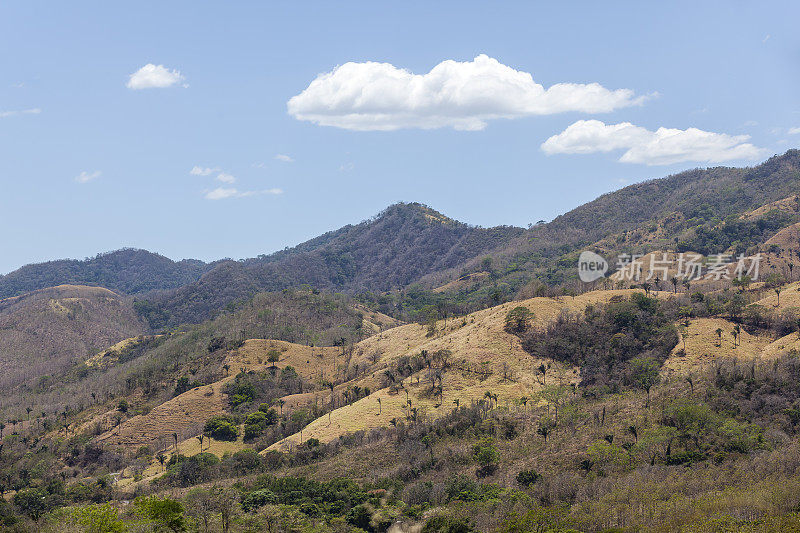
92,159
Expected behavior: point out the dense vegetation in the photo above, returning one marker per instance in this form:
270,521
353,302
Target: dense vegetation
128,271
398,247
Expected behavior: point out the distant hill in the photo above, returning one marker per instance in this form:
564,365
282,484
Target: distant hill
46,331
410,244
390,251
686,210
128,271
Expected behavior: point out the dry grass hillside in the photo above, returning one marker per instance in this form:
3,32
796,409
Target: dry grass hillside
45,331
483,358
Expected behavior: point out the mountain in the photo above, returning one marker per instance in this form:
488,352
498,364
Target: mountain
128,271
410,244
697,209
390,251
46,331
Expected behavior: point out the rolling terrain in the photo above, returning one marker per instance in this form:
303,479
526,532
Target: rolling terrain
460,381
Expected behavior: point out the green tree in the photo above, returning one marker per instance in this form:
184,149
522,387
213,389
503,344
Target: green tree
273,356
518,320
644,373
166,514
99,518
221,427
486,455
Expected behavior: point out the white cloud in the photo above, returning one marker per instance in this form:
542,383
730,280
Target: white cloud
153,76
225,178
223,193
86,177
203,171
664,146
220,193
34,111
462,95
285,158
794,131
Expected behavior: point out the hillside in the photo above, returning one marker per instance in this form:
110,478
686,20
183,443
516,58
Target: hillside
127,271
687,211
412,246
464,418
47,331
391,251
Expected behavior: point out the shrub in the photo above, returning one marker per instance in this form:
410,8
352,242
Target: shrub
221,427
527,478
258,498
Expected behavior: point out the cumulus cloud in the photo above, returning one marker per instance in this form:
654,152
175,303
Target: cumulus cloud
285,158
203,171
461,95
664,146
225,178
794,131
153,76
223,193
34,111
86,177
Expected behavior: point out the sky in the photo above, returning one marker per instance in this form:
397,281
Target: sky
232,129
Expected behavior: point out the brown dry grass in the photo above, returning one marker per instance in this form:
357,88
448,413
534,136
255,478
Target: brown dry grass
183,415
703,345
477,339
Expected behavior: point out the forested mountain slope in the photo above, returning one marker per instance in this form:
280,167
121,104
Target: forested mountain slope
128,271
697,209
398,247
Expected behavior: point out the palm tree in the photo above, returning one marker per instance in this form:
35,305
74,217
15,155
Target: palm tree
161,460
175,438
778,292
543,371
379,406
227,368
719,336
674,282
200,438
281,402
457,402
488,395
735,334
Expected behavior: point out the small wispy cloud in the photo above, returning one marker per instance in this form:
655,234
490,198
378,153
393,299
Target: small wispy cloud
285,158
203,171
153,76
86,177
224,193
794,131
33,111
766,38
346,167
226,178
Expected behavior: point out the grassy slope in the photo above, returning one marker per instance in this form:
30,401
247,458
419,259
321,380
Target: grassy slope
45,331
